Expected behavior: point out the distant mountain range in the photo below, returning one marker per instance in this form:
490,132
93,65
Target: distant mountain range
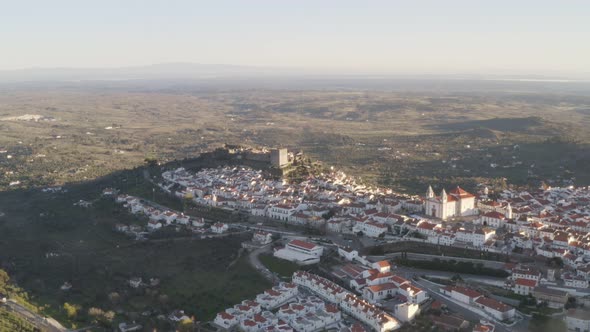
192,71
151,72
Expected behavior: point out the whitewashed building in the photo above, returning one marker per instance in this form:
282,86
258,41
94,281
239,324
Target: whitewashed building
457,202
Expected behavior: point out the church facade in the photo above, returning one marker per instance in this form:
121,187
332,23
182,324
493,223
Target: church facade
457,202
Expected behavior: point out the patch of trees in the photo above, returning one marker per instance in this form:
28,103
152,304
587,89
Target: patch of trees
376,251
544,323
95,315
555,262
452,266
418,235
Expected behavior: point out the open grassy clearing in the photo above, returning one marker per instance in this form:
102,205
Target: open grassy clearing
282,267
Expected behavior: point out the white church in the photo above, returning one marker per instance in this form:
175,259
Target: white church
457,202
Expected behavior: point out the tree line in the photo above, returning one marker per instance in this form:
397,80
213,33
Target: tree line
451,266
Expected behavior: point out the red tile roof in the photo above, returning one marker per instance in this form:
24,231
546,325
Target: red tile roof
465,291
225,315
460,193
302,244
493,304
381,275
495,214
383,263
525,282
382,287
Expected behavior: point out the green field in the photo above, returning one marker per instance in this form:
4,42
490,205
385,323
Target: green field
282,267
98,262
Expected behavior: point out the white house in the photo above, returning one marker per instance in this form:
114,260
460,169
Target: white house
427,228
574,281
493,219
198,222
369,314
407,311
276,296
379,278
347,253
379,292
370,228
481,236
169,217
183,219
335,226
281,211
178,316
135,282
382,266
258,210
153,225
461,294
225,320
577,320
526,273
524,286
262,237
219,228
496,309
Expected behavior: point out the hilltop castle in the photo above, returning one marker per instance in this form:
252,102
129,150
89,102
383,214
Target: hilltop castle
457,202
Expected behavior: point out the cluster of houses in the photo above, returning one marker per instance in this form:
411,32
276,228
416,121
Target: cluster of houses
310,314
577,320
549,222
379,285
296,312
529,281
348,302
158,218
334,200
257,315
449,235
496,309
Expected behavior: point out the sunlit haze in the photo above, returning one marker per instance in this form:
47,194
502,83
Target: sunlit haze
421,37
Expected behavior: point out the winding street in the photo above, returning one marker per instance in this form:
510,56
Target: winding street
43,323
254,259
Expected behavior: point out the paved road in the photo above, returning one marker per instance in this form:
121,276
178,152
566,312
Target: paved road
43,323
254,260
434,291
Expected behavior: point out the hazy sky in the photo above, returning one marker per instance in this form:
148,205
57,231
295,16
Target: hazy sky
413,36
